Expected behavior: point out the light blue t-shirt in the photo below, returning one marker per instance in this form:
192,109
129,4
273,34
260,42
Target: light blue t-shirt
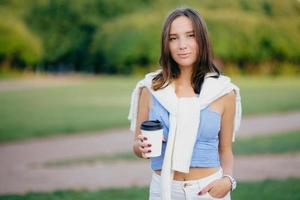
205,152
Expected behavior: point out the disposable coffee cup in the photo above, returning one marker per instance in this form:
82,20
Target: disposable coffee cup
153,131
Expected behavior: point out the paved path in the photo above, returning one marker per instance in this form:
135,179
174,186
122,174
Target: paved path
21,167
21,179
269,124
42,81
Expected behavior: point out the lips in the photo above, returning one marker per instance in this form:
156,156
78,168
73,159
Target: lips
184,55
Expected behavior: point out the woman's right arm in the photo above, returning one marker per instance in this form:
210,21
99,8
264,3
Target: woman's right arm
140,145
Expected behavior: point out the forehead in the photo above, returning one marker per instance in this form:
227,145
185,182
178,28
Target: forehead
181,24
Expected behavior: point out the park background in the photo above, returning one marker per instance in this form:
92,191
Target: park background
68,68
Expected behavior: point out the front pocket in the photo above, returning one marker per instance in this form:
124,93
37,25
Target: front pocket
213,198
202,197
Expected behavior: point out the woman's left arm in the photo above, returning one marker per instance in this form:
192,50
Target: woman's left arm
221,187
226,133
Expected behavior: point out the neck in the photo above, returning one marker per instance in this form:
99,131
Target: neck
185,75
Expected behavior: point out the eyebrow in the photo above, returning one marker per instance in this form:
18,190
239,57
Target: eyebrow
176,33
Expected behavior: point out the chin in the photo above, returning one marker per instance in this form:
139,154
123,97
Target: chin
185,63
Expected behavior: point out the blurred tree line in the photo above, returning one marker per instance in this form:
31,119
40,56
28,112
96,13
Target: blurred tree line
123,36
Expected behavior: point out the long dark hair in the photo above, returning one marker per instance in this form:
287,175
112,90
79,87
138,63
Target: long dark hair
204,63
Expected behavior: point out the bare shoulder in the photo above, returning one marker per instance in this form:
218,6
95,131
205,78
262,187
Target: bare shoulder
229,100
145,98
145,91
230,96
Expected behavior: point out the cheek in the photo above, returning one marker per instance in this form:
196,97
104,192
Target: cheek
172,48
196,48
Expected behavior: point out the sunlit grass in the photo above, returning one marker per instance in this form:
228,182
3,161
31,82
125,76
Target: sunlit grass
260,190
89,106
262,94
268,144
102,103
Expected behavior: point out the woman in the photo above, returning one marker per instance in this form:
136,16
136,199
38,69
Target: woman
211,112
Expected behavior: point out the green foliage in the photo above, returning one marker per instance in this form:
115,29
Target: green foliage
67,28
242,33
261,40
115,36
128,42
17,44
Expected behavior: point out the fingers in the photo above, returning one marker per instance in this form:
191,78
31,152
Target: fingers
144,146
205,189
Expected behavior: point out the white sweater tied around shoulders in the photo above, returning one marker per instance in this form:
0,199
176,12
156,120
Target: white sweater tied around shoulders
184,120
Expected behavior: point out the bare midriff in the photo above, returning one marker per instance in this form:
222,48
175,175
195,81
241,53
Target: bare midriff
194,173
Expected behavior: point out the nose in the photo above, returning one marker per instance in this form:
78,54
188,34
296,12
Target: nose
182,44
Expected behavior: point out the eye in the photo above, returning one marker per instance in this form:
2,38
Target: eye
172,38
191,35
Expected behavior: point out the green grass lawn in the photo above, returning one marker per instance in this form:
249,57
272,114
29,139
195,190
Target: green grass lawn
92,105
269,94
129,156
268,189
269,144
102,103
279,143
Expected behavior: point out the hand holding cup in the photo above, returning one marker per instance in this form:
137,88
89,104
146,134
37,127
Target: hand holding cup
150,141
144,146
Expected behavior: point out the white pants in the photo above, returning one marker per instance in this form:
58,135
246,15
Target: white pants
186,190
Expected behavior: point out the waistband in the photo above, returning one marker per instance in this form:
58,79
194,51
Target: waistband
190,183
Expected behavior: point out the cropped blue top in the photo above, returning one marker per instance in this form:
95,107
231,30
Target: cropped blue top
205,152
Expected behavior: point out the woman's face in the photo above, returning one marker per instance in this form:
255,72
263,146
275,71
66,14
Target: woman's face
182,42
